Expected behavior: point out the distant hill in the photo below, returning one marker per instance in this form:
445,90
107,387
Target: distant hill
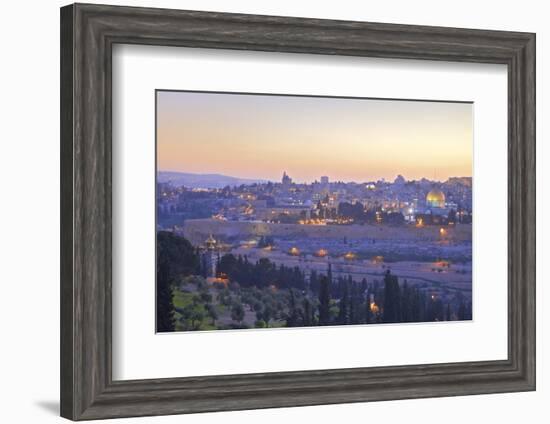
203,180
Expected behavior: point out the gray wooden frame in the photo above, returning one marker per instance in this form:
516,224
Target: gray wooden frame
88,33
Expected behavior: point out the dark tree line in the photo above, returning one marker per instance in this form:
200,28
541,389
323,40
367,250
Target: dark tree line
317,299
176,258
326,300
404,303
262,273
323,299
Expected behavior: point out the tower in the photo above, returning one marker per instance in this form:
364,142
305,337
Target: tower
286,180
210,256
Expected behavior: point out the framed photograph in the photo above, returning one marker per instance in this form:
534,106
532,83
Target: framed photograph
263,211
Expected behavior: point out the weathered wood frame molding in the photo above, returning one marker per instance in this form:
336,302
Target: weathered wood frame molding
88,33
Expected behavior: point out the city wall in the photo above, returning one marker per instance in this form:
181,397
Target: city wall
197,230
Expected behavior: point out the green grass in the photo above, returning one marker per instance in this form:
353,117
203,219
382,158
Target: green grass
182,300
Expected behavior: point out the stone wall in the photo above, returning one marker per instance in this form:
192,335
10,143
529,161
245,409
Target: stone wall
197,230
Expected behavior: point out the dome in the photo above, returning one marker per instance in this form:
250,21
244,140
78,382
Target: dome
435,199
210,242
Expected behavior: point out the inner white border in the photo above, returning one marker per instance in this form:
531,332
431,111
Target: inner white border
139,353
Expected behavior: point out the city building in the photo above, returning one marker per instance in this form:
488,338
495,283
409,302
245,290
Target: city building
436,211
286,180
435,199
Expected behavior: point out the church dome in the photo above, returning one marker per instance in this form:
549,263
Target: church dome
435,199
210,242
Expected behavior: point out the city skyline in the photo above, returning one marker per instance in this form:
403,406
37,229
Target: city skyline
259,136
318,178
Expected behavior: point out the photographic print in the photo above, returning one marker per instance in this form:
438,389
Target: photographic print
277,211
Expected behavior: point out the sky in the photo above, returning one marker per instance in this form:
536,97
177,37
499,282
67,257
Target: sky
260,136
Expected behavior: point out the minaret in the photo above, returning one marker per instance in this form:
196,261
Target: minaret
210,256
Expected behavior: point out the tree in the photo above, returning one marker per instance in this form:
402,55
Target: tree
436,310
293,317
462,311
267,312
407,303
260,324
237,312
261,273
351,210
448,316
264,271
176,259
211,310
324,301
314,282
393,218
193,315
178,253
392,300
364,285
165,305
344,305
308,314
228,265
356,301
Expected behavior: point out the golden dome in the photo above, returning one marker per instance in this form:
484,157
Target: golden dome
435,199
210,242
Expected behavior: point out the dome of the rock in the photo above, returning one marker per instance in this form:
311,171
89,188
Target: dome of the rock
435,199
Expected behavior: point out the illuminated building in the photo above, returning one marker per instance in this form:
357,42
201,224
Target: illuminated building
435,199
436,211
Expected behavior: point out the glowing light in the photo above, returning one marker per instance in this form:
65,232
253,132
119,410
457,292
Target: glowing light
350,256
218,281
374,308
294,251
312,221
321,253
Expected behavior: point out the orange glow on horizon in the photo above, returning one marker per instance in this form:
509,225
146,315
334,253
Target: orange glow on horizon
359,140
